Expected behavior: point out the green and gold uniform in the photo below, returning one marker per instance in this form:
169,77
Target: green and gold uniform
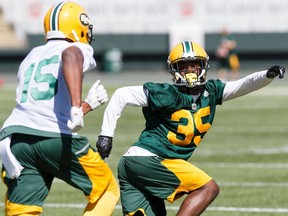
175,125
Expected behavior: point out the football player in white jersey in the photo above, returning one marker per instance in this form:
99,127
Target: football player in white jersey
39,140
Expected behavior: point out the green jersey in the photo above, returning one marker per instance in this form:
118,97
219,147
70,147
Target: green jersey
175,123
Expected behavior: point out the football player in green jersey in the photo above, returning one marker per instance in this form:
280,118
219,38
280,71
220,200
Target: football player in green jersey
177,117
39,140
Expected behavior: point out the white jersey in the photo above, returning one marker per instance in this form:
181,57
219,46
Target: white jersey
43,102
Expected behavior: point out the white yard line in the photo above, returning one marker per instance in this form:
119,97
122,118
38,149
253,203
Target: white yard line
254,184
175,208
236,209
245,165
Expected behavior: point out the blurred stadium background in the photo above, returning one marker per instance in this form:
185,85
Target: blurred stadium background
135,37
144,31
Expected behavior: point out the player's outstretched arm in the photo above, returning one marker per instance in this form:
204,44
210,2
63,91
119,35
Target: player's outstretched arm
252,82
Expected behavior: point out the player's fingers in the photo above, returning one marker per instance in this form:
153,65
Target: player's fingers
100,88
96,84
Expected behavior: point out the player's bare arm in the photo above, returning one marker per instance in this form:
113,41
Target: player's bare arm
72,59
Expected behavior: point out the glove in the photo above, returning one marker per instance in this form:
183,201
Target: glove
76,122
275,71
104,146
97,95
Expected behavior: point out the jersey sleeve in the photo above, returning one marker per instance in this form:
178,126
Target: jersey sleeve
250,83
88,52
216,87
122,97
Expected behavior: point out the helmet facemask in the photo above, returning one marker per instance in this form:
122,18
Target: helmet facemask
192,77
89,35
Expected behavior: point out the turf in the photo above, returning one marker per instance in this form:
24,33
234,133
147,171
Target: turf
245,151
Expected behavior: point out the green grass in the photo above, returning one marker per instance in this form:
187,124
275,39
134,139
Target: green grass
245,151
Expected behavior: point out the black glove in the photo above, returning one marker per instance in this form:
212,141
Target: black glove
275,71
104,146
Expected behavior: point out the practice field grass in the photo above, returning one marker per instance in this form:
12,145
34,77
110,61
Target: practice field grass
245,151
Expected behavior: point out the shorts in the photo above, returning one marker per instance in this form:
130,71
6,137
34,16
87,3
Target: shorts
145,182
70,159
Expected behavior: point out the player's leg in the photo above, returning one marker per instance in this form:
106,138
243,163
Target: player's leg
18,201
198,200
223,67
18,204
93,176
72,160
234,65
166,179
26,193
106,204
136,197
200,187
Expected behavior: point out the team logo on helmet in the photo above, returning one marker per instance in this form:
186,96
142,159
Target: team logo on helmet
84,19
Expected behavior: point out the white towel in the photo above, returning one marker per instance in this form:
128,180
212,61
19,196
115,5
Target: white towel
9,161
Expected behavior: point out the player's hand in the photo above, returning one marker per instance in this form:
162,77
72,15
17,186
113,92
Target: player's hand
104,146
97,95
76,122
275,71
